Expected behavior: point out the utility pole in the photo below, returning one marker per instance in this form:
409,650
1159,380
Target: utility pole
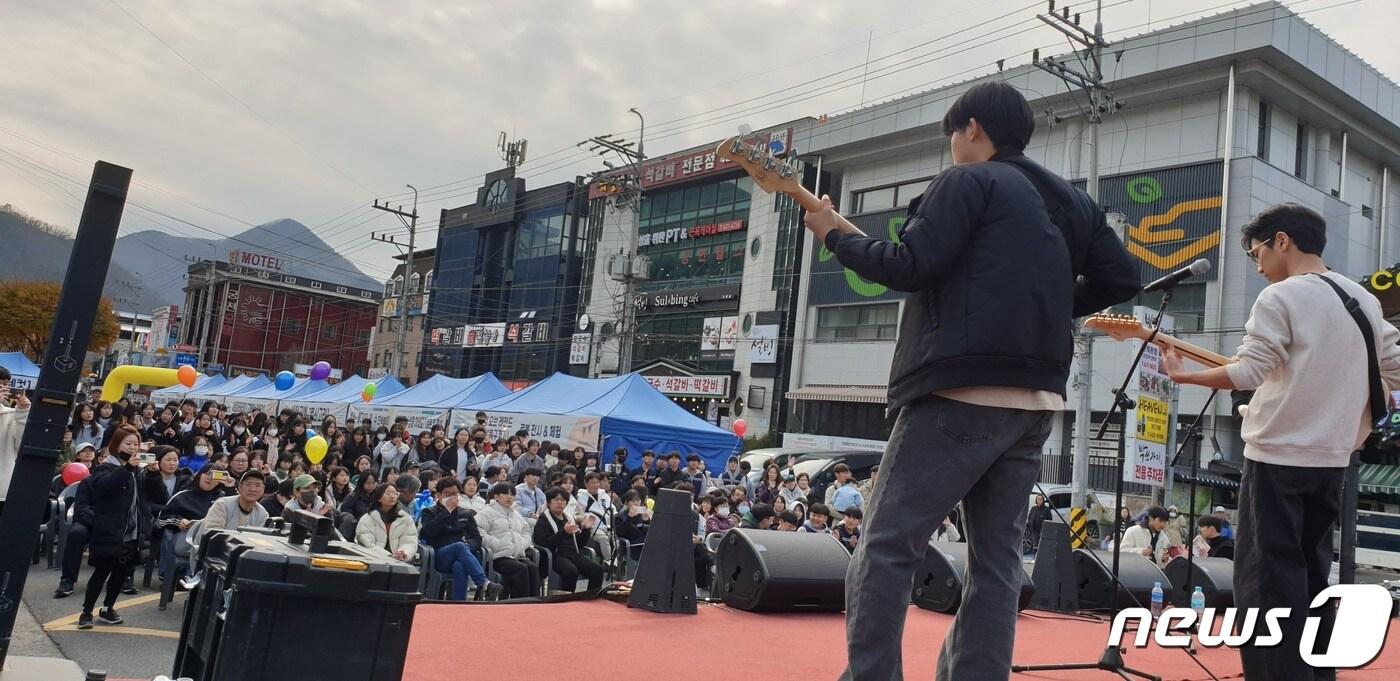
1090,81
409,220
628,267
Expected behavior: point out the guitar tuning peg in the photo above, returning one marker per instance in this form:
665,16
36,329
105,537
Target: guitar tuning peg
737,147
754,154
769,163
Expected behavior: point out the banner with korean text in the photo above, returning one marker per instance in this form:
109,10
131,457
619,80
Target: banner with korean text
566,431
1150,422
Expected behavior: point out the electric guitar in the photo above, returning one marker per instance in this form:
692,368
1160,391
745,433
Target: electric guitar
772,175
1127,327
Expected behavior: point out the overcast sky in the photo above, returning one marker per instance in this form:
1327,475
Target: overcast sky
238,113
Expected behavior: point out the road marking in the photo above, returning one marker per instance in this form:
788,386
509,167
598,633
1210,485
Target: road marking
127,603
119,629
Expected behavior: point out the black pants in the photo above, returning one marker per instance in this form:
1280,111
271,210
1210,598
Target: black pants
73,553
570,567
109,571
1283,556
703,561
518,577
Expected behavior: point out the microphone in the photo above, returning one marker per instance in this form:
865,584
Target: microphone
1171,280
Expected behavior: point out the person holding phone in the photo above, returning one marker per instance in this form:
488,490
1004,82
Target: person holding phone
566,536
14,414
115,532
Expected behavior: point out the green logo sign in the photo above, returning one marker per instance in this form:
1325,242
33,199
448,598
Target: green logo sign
858,284
1144,190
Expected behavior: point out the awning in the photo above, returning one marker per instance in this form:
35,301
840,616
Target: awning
1182,474
872,394
1379,479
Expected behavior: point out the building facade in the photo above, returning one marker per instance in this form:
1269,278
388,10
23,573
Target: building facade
241,318
383,346
1224,116
704,321
506,284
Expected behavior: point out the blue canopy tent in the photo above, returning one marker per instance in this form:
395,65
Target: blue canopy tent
335,400
233,386
23,373
429,402
266,398
628,411
176,392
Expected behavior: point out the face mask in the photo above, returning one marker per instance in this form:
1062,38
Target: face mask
201,450
383,436
308,498
722,510
238,430
744,508
272,432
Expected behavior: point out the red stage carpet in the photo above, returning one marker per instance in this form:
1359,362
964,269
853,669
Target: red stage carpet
602,640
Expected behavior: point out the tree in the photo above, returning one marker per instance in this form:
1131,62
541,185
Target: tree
27,309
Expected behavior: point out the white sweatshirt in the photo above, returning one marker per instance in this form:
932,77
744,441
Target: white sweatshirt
1307,360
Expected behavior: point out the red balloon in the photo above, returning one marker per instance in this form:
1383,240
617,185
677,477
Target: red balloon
740,427
187,375
74,472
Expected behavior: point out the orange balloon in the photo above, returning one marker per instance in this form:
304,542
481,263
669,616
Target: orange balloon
187,375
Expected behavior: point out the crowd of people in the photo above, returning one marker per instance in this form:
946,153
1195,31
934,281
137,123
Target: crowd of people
501,515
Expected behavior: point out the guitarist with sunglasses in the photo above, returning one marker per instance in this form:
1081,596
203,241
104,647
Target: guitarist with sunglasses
998,256
1318,388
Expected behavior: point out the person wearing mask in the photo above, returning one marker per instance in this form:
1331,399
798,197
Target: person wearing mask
723,519
452,532
306,496
237,435
530,499
271,440
393,453
12,423
242,509
114,536
388,527
507,535
566,537
197,453
530,459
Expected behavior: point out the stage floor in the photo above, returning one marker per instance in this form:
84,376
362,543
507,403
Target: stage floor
600,639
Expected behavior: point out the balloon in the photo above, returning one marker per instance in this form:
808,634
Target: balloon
316,448
310,433
366,396
75,472
285,380
371,389
320,371
740,427
187,375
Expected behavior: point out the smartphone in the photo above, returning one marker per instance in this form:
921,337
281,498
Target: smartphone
146,458
220,475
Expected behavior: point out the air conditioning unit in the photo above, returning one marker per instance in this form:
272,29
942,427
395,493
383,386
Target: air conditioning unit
619,266
641,267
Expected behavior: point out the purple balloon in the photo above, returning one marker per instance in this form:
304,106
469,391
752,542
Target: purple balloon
320,371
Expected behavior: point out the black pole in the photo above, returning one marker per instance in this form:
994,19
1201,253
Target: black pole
1346,572
58,379
1193,432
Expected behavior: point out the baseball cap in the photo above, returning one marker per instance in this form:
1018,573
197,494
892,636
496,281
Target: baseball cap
1219,509
303,480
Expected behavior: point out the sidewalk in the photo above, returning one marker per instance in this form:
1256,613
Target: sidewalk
29,639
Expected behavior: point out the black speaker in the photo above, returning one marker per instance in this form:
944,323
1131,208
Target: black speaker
1136,575
938,584
665,580
772,571
1215,576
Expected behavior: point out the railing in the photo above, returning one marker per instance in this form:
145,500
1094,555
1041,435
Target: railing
1055,469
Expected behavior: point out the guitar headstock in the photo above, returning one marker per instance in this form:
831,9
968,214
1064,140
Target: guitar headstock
769,173
1119,326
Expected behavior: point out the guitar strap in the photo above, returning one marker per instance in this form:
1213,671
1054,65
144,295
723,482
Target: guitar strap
1373,368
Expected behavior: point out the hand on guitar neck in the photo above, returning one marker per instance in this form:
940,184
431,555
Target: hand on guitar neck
772,175
1126,327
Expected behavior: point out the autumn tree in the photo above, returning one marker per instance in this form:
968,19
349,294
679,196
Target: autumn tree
27,310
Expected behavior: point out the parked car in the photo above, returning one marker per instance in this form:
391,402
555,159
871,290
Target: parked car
821,467
1100,506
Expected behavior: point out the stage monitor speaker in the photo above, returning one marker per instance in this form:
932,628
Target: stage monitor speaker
939,582
1136,575
1215,576
665,580
771,571
1056,588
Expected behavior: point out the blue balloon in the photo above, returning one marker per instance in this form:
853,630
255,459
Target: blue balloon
310,433
285,380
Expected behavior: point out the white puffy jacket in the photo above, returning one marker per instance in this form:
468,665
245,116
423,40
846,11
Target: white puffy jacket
505,533
402,534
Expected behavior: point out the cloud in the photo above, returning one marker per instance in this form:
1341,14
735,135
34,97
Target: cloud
323,105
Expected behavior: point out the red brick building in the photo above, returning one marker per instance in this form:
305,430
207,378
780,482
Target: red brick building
246,319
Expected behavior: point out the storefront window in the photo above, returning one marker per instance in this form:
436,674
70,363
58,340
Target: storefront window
877,321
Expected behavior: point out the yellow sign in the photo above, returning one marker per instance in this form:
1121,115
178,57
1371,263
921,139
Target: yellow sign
1152,420
1078,522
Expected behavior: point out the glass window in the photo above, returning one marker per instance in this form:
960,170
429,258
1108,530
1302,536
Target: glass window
428,281
875,321
413,283
725,193
743,189
873,200
708,195
908,191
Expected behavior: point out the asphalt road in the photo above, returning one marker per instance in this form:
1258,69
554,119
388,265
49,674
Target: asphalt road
141,648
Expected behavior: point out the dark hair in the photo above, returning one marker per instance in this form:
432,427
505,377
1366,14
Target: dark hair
592,476
674,455
448,483
1210,521
745,466
1158,512
555,493
819,509
631,495
1303,225
840,468
760,511
692,457
790,518
492,471
285,488
1000,109
648,452
854,513
114,446
533,471
620,452
502,488
378,498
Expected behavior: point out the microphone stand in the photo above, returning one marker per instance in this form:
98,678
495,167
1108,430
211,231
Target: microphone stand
1112,658
1193,432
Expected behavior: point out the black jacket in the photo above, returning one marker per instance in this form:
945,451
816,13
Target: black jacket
993,281
630,527
154,497
439,527
357,505
451,457
558,540
113,491
1221,547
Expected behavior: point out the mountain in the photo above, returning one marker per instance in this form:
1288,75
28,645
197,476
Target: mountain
147,267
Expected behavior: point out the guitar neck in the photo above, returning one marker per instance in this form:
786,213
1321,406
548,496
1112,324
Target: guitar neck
1192,352
812,204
